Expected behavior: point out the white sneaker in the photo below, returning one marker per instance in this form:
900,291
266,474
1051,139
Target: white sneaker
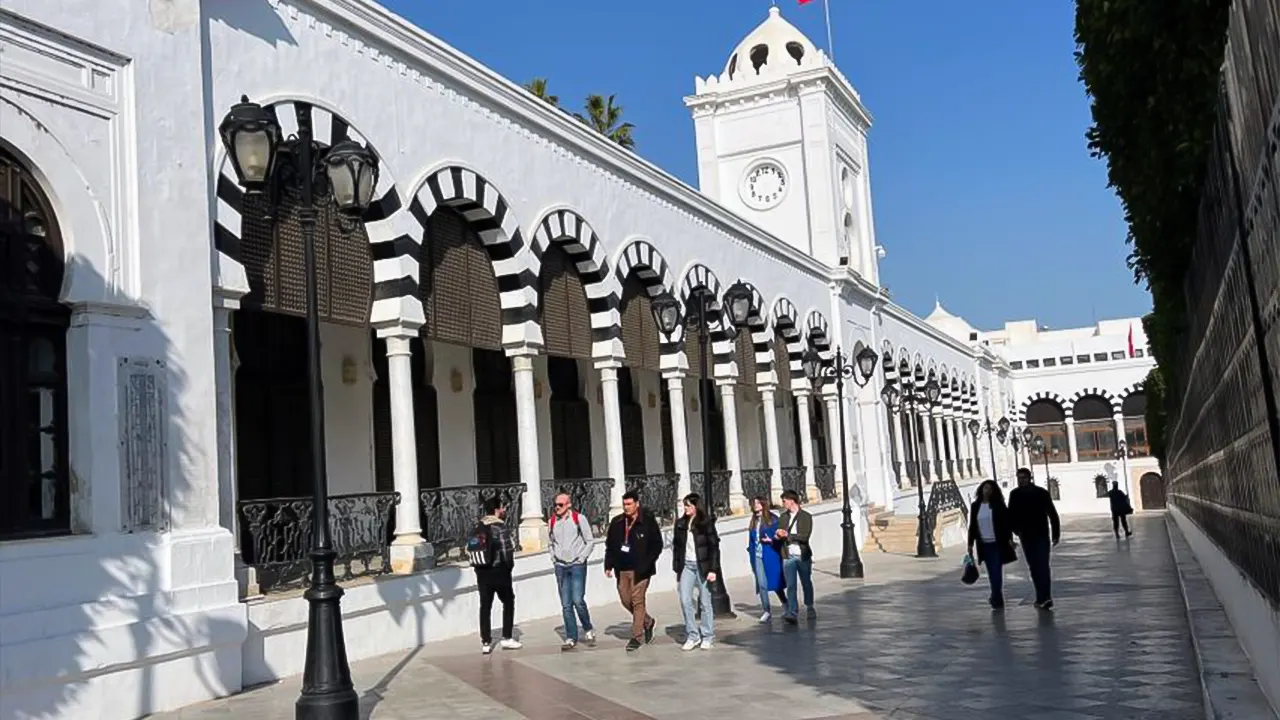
510,644
590,637
766,617
486,648
689,644
706,645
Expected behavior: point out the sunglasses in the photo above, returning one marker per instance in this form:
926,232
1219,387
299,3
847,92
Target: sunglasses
562,504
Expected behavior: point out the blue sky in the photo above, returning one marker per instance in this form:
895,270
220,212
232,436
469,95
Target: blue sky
984,193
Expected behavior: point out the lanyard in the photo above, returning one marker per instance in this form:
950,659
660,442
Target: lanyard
626,530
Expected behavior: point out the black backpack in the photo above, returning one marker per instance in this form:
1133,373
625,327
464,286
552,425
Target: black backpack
480,547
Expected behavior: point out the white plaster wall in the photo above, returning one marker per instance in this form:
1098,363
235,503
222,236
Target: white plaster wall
348,408
456,414
649,386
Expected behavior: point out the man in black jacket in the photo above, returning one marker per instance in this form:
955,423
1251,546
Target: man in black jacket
631,549
1120,509
1035,520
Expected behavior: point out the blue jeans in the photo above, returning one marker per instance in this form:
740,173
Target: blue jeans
572,580
692,581
990,554
791,568
762,584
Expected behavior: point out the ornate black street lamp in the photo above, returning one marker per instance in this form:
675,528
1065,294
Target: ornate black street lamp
999,430
668,315
1123,453
1037,444
907,403
861,372
346,175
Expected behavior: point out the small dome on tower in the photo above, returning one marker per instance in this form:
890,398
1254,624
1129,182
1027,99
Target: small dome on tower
775,43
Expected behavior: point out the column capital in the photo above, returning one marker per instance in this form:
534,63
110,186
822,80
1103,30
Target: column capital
767,387
674,374
401,329
607,363
523,350
724,383
801,392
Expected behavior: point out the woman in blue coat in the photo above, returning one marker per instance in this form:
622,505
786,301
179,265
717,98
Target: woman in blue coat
762,547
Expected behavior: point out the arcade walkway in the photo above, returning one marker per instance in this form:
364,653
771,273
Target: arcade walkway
909,643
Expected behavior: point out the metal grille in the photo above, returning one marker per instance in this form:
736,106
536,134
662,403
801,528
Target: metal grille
781,363
459,293
271,250
756,483
566,321
1222,444
640,336
745,356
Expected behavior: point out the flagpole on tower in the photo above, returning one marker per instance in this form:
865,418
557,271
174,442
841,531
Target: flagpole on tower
826,12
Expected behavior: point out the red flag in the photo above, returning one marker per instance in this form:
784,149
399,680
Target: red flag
805,2
1130,339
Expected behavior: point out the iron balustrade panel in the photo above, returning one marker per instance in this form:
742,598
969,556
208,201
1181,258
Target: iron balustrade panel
452,513
590,497
943,496
758,482
793,480
824,476
659,494
719,489
276,537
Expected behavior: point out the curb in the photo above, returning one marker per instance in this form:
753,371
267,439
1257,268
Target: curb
1227,681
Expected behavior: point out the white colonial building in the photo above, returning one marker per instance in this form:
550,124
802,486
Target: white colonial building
485,330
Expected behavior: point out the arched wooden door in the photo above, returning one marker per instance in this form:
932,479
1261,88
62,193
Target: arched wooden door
1151,486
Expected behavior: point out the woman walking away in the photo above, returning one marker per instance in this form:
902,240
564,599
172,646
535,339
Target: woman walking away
695,555
762,547
992,535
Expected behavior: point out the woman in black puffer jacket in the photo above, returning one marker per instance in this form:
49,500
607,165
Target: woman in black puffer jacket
695,555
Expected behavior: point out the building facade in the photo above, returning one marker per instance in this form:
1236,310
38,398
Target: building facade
486,329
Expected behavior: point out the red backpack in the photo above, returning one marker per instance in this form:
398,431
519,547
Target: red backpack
551,526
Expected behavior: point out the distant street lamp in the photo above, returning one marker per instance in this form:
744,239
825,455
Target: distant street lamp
860,373
346,175
907,402
1123,453
1000,429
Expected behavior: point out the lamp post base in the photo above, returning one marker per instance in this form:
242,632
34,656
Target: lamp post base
327,692
850,561
924,538
721,605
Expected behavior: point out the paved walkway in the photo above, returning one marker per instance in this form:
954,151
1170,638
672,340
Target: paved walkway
909,643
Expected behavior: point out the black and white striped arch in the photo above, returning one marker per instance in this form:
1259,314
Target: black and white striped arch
570,231
786,322
641,258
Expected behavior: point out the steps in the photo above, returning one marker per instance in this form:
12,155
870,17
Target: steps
890,533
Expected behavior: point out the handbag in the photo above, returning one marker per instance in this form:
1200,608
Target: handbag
970,574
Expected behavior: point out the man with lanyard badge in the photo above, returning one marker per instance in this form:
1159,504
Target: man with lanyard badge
632,547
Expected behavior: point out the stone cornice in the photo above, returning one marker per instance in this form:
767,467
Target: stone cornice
820,79
391,41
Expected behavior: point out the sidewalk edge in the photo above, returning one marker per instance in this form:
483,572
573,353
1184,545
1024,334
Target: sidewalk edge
1227,681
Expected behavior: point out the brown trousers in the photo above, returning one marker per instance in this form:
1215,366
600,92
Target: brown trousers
632,594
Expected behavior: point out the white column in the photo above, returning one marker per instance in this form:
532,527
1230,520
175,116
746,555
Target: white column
409,551
612,432
902,480
679,432
1073,455
833,431
772,453
224,369
806,441
533,529
1122,465
930,452
733,458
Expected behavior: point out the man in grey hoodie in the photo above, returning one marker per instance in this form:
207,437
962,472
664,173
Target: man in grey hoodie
571,543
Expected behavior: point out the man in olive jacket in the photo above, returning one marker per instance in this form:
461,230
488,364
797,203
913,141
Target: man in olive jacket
794,528
631,548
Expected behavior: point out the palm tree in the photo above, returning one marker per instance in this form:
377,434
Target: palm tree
538,86
604,116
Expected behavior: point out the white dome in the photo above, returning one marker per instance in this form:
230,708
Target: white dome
775,43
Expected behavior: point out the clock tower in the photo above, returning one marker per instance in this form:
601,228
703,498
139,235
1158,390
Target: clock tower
782,141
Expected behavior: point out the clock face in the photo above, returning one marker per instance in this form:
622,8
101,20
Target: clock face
764,185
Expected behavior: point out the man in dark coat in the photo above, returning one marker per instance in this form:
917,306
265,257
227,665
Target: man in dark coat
1035,520
1121,509
632,547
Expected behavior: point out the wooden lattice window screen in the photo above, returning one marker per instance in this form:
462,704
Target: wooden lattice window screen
693,351
565,319
745,355
781,362
459,292
271,250
640,335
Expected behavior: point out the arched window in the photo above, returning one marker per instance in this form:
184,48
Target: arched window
1047,420
1134,410
35,490
1095,428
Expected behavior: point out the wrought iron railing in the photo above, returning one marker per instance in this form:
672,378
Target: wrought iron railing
590,498
276,536
793,480
659,494
757,482
824,476
451,513
1223,429
719,489
945,495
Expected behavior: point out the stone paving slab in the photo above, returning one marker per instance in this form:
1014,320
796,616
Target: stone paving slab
909,643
